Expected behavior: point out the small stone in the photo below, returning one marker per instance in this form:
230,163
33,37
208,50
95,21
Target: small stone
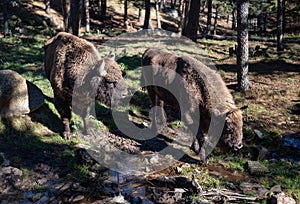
28,195
179,190
120,199
36,197
154,159
276,189
256,168
259,134
186,166
78,198
178,170
146,202
281,198
43,200
204,201
11,170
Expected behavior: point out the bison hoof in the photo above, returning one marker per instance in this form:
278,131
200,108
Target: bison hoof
67,135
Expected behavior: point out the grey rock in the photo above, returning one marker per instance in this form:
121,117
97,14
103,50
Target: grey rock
254,188
78,198
259,134
256,168
120,199
18,96
43,200
276,189
204,201
145,201
281,198
11,171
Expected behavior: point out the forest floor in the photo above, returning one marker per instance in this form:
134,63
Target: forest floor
37,165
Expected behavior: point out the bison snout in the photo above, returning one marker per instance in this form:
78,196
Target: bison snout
237,146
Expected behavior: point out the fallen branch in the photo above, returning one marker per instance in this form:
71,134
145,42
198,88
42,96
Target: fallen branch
228,195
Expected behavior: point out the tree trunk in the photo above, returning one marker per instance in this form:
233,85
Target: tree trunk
182,16
47,4
5,18
185,16
193,20
209,14
75,16
242,48
216,19
233,26
125,11
279,25
173,4
66,6
157,14
103,8
87,16
147,20
140,16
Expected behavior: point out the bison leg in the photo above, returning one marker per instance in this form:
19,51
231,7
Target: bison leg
87,121
65,112
158,117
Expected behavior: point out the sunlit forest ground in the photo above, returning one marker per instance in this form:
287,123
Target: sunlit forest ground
273,108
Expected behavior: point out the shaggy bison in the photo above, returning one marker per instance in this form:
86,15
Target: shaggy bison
70,61
207,94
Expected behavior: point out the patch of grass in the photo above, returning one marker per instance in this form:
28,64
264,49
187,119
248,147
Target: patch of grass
176,124
25,172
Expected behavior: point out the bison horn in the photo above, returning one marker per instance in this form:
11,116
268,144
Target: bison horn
241,108
112,56
101,70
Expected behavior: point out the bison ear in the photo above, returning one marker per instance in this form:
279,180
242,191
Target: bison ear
229,112
112,56
101,70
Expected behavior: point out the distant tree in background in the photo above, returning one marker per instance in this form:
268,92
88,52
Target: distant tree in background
5,17
209,14
87,15
66,7
191,26
75,16
279,25
157,3
147,20
242,47
103,8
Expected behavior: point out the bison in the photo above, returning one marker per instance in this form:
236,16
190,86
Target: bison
206,93
70,61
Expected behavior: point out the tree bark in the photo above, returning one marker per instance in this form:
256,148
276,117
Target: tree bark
125,11
75,16
47,4
233,26
103,8
242,48
185,16
193,20
209,14
87,16
66,7
216,19
279,25
147,20
140,16
157,14
5,18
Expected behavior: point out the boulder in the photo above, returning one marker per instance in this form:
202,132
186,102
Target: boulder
17,95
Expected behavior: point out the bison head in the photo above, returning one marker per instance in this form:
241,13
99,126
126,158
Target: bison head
111,85
232,135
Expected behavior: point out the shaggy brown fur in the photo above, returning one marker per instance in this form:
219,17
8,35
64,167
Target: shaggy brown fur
69,60
206,91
